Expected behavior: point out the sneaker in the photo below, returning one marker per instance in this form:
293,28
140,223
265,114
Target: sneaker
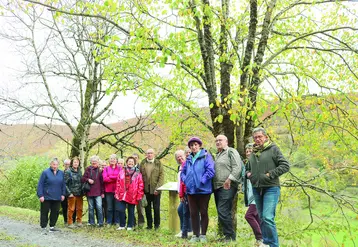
264,245
72,226
203,239
100,225
194,239
54,229
258,243
179,235
121,228
44,231
129,228
79,224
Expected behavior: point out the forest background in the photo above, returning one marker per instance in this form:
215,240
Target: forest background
202,68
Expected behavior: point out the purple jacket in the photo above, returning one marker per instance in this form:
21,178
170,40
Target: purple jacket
97,189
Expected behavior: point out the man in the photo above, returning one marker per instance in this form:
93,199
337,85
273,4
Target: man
228,167
266,164
139,205
64,203
153,177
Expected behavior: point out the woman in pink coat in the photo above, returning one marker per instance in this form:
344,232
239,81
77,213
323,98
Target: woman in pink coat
110,174
129,191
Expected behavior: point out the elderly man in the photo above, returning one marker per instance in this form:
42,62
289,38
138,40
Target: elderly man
228,167
266,164
153,177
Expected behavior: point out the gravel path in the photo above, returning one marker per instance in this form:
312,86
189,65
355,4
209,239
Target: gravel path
15,234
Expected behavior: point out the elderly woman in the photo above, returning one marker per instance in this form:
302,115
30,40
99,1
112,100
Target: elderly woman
110,174
183,209
197,175
73,177
51,191
129,192
93,176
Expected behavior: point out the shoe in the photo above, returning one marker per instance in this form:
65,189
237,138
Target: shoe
190,234
100,225
258,243
54,229
184,236
79,224
264,245
203,239
129,228
194,239
44,231
108,225
179,235
121,228
149,228
72,226
156,228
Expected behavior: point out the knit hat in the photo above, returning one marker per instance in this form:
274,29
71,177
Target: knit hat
195,139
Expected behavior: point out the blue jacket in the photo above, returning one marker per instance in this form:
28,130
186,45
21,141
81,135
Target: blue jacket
197,177
51,186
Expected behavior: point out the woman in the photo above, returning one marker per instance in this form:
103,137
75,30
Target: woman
129,191
73,177
93,176
183,209
110,174
197,175
251,216
51,191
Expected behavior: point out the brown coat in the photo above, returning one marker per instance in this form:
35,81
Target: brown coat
156,178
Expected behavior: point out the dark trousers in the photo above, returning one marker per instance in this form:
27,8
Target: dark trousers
224,201
155,200
112,211
199,204
64,206
252,217
49,206
140,214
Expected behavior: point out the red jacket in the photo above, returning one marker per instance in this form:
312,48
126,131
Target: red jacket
110,176
135,191
182,187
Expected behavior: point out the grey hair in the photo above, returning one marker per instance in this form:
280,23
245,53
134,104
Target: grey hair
54,160
94,158
120,160
259,129
178,153
187,149
113,156
67,161
249,145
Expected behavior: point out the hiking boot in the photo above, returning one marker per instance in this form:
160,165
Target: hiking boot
194,239
203,239
72,226
54,229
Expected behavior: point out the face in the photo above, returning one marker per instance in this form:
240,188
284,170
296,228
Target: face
112,161
130,163
121,163
187,152
75,163
54,165
94,163
136,158
150,154
248,152
259,138
180,158
221,142
194,147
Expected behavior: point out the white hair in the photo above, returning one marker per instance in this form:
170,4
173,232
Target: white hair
94,158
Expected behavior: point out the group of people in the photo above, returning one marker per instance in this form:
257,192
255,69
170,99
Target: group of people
135,185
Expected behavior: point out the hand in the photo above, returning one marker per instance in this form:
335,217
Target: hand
91,181
182,199
102,195
248,175
62,198
42,199
156,193
268,174
227,184
71,195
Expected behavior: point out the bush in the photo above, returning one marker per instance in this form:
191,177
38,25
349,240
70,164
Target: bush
19,188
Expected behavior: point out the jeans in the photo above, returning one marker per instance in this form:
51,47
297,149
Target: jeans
112,211
155,200
252,217
266,200
95,201
224,200
49,206
121,206
184,216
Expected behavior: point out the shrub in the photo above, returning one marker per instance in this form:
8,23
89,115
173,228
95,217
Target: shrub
19,189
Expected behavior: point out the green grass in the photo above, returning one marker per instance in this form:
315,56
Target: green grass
5,237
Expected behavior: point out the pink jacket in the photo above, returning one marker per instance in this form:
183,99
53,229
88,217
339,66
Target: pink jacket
110,178
135,191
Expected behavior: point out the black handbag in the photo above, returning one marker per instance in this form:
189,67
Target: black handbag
86,187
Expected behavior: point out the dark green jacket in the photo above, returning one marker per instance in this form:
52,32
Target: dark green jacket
156,177
73,182
271,161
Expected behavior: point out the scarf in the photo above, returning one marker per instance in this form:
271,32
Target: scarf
257,150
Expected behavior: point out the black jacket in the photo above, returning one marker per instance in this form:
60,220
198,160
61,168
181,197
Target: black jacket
73,182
